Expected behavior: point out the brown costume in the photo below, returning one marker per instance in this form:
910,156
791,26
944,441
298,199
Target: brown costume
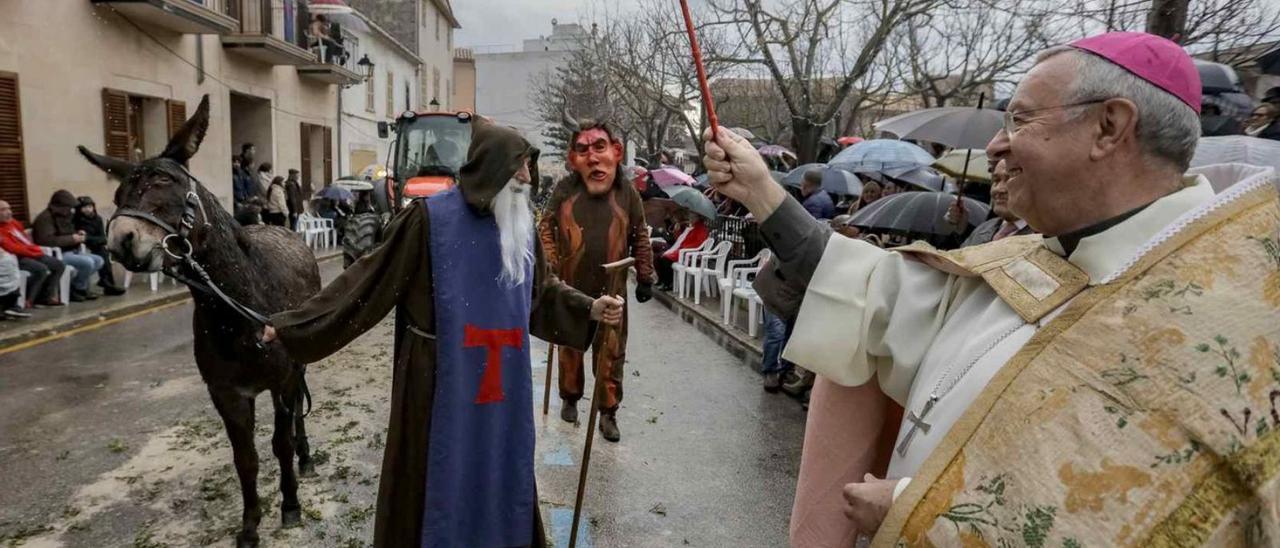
397,274
579,233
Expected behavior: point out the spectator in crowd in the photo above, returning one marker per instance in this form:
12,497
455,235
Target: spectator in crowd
45,271
54,227
871,191
243,188
294,198
276,209
1262,123
10,282
776,333
816,201
691,237
265,175
1213,123
95,239
1004,224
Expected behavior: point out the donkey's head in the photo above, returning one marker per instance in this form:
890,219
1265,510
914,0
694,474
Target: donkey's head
156,186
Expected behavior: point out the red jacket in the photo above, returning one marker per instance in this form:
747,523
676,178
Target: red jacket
14,239
691,238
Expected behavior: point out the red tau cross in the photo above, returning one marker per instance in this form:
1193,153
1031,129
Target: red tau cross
493,340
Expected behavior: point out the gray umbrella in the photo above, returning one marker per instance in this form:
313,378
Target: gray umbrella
834,179
956,127
1217,77
917,213
921,178
691,199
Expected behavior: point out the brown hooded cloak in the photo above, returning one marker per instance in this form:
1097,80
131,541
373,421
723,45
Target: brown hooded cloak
397,274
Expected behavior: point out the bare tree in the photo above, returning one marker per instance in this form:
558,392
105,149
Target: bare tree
958,51
818,52
1212,25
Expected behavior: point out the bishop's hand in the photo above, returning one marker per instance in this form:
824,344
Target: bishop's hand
268,334
607,310
736,170
866,504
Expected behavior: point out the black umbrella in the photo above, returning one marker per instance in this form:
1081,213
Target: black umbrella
917,213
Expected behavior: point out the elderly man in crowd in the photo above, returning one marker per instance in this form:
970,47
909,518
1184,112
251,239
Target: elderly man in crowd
1084,388
1005,223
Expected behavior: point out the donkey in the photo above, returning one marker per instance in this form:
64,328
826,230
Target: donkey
266,268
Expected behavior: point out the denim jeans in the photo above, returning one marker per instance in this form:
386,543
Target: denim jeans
86,264
776,334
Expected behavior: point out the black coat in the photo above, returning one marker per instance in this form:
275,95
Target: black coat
95,233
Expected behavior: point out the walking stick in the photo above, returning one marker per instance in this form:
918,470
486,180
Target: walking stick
705,88
615,273
546,394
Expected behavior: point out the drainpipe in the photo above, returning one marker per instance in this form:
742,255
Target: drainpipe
339,173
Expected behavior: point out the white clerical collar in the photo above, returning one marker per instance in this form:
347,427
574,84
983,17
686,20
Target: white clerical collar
1101,254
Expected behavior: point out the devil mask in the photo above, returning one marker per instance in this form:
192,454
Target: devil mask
594,155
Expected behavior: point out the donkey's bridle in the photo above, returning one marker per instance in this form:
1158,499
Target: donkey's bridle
177,245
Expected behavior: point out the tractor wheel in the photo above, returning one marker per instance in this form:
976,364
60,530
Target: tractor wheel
362,235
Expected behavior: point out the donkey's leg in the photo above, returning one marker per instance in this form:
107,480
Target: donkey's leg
306,468
237,415
282,446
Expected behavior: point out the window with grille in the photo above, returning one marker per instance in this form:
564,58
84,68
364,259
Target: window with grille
369,86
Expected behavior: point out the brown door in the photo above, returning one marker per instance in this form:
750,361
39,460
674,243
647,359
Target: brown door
304,141
328,155
13,172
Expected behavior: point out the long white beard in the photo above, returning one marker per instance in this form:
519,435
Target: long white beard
515,232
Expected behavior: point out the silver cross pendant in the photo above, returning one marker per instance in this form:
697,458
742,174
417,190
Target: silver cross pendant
917,423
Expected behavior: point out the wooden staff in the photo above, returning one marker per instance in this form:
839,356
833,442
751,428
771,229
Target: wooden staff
546,394
703,86
615,273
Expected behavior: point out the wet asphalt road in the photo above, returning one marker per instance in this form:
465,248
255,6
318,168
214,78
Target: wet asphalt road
107,438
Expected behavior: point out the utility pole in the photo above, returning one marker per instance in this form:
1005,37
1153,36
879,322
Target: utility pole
1168,18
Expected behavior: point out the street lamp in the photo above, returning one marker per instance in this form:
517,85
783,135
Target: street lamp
366,65
435,105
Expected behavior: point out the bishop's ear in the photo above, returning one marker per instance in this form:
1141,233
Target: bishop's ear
118,169
187,140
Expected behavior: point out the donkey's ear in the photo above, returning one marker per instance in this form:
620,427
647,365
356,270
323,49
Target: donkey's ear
116,168
186,142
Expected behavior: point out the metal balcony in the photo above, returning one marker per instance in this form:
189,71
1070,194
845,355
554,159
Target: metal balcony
268,31
185,16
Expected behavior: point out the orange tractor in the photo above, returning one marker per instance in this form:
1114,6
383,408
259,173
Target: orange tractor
428,151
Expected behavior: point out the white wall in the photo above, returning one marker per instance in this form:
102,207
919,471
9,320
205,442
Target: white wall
503,89
436,54
360,127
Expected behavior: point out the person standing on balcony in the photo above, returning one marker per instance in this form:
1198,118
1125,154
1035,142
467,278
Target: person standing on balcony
595,217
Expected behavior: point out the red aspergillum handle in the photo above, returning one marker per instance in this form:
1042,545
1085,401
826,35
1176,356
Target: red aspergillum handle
702,71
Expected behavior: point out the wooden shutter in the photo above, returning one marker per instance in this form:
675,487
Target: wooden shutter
177,116
115,122
304,141
13,173
328,155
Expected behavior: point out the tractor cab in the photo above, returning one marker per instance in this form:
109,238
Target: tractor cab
429,150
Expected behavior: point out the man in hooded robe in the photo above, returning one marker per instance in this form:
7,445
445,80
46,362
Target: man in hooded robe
467,279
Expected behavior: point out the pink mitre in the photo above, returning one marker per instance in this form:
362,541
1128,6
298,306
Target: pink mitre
1157,60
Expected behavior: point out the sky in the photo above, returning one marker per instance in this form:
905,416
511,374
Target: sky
508,22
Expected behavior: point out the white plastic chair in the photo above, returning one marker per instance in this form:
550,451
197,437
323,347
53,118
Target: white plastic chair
711,266
64,284
685,260
153,280
737,276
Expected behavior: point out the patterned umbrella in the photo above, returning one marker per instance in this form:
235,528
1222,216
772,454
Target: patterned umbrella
883,155
670,176
692,200
775,150
917,213
957,127
953,164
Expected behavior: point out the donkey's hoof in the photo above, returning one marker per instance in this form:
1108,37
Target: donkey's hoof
307,469
291,518
247,540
